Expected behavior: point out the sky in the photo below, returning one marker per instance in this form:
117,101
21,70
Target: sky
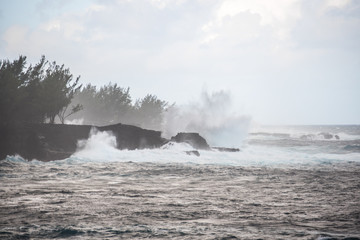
281,61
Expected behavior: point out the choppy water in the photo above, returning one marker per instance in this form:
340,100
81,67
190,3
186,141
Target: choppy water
280,186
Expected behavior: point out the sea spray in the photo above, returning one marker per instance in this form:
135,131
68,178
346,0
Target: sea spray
76,121
257,150
212,117
100,146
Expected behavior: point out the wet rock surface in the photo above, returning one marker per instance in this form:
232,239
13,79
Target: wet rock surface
194,153
193,139
46,142
224,149
58,141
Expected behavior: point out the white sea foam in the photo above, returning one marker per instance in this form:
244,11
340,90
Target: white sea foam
314,133
77,121
101,147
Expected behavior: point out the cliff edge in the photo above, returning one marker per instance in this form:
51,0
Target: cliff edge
46,142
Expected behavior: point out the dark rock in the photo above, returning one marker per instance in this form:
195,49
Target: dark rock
46,142
194,139
326,135
323,135
224,149
194,152
58,141
132,137
307,137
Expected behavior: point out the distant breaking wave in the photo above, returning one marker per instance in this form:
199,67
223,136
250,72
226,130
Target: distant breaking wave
212,116
101,147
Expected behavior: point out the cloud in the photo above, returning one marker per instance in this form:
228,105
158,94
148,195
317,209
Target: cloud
187,36
280,17
331,25
264,52
162,4
157,26
336,3
14,36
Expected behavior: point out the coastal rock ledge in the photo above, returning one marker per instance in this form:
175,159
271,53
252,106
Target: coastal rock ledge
46,142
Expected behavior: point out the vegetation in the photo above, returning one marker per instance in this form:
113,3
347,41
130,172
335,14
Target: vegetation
113,104
36,93
149,112
47,92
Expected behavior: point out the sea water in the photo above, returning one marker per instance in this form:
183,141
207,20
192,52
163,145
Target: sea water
288,182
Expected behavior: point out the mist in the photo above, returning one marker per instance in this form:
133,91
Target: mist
112,104
213,116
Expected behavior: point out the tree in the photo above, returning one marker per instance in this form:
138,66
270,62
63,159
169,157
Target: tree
63,114
115,102
110,104
86,98
31,107
58,88
34,94
12,77
150,111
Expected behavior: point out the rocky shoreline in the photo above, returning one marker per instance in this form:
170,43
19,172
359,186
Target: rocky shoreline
46,142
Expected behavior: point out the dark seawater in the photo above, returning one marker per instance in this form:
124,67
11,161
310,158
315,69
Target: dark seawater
310,139
280,186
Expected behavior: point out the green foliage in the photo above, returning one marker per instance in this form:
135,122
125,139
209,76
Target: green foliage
34,94
44,91
58,90
12,78
114,101
108,105
149,111
112,104
63,114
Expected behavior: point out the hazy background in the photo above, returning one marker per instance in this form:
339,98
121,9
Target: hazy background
283,61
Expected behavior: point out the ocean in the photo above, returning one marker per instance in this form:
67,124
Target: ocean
286,182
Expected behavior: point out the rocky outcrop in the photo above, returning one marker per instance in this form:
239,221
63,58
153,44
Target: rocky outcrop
132,137
225,149
58,141
320,136
193,153
325,135
46,142
194,139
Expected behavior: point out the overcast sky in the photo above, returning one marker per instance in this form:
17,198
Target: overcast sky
282,61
